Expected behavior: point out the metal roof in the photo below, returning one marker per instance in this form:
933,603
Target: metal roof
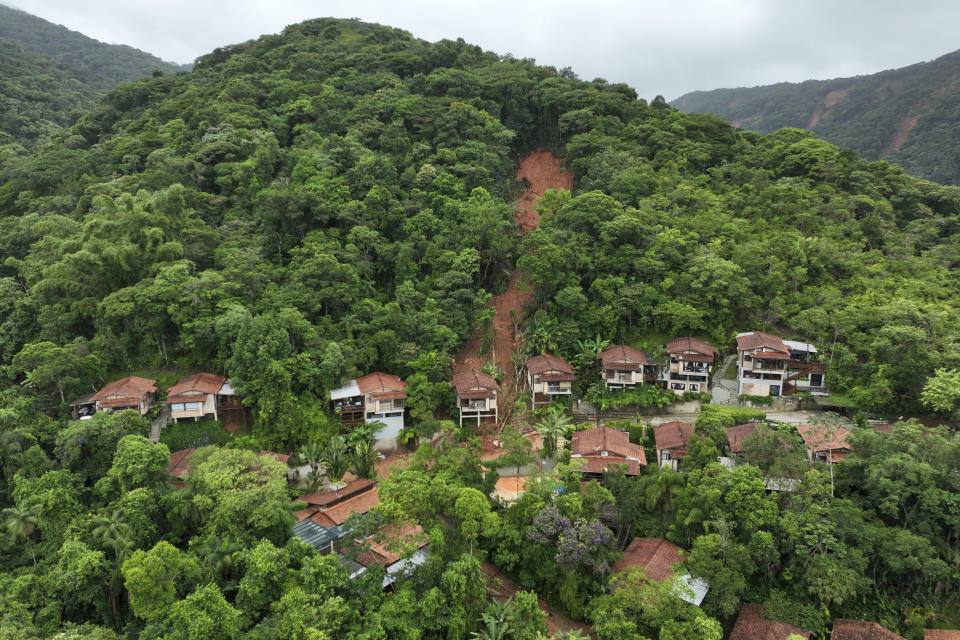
314,535
348,390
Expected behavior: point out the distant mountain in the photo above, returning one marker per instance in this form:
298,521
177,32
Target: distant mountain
49,74
910,116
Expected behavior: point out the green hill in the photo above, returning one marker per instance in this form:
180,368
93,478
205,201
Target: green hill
908,116
49,75
336,200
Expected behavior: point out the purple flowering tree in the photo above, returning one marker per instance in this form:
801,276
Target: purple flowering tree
580,543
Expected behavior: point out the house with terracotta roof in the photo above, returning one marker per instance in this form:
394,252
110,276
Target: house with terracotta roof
322,526
658,557
200,396
752,625
689,361
737,434
623,367
602,447
941,634
131,392
768,365
671,442
396,548
825,442
548,377
476,395
861,630
375,396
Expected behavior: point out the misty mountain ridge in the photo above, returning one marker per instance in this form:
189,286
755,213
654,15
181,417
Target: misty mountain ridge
50,75
908,116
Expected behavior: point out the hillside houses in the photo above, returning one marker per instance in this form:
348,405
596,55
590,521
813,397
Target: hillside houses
768,365
375,396
602,447
131,392
624,367
689,362
203,396
658,557
752,625
547,377
826,443
671,442
476,395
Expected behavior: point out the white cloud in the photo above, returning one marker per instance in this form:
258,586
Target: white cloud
666,47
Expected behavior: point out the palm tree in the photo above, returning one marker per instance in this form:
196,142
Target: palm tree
312,454
336,461
495,624
114,532
21,522
363,460
552,426
12,453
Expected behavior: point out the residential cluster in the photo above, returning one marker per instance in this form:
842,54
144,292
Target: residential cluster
201,396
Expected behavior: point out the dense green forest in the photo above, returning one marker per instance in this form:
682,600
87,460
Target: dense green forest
334,200
50,75
906,116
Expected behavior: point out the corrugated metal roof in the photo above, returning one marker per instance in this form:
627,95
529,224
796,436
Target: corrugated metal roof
314,535
348,390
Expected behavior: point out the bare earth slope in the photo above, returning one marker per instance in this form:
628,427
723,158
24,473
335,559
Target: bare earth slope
543,171
910,116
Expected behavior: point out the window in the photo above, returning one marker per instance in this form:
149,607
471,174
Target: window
185,406
694,387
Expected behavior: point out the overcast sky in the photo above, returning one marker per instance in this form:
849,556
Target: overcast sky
667,47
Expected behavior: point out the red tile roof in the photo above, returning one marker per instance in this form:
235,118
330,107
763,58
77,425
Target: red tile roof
653,555
593,441
408,534
821,437
360,503
625,354
331,497
598,464
736,435
672,435
771,355
861,630
197,383
941,634
751,625
380,382
691,344
547,362
129,387
757,339
475,384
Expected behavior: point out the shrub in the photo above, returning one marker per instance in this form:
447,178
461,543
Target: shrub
193,435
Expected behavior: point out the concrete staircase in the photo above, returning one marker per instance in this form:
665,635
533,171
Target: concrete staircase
157,425
725,391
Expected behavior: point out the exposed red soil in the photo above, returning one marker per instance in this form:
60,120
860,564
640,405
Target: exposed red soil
823,110
501,587
543,171
900,136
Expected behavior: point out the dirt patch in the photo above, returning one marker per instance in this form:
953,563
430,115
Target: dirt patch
900,136
542,170
823,110
501,587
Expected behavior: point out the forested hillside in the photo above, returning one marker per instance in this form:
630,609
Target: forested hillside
335,200
50,75
908,116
